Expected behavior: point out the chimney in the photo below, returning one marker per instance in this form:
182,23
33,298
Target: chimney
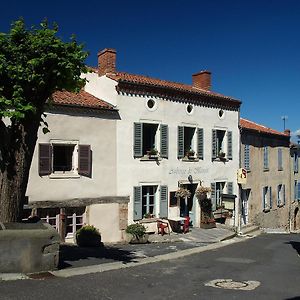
202,80
107,61
287,132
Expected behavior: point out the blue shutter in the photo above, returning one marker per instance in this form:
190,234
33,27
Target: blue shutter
263,198
213,195
230,188
229,144
163,211
164,141
137,203
180,144
214,144
280,159
200,148
247,157
295,162
138,140
270,191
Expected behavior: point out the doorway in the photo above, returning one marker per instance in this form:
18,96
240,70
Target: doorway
245,206
296,224
188,209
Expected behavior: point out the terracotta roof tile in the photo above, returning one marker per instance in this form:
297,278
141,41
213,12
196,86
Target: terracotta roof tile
141,79
260,128
81,99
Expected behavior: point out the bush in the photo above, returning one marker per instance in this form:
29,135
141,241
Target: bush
137,230
88,236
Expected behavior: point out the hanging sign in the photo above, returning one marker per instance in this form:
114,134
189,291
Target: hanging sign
242,176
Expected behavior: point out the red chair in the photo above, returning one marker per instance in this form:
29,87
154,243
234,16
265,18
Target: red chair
161,226
186,225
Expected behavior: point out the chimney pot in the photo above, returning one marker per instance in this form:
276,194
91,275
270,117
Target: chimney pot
202,80
107,61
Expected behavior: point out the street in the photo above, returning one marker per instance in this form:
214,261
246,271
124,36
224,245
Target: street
268,266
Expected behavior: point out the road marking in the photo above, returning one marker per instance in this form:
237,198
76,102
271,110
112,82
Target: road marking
233,285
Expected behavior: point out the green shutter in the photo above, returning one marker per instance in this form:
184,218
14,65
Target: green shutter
229,144
230,188
213,195
180,144
163,211
164,141
214,144
137,203
138,140
200,148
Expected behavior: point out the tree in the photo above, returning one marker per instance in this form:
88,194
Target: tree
34,63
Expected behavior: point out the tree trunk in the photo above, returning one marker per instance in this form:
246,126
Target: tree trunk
16,153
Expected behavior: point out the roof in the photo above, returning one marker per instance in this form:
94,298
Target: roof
246,124
82,99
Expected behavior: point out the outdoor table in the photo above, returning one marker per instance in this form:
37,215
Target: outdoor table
175,223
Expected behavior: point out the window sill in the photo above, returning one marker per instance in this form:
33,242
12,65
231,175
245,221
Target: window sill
190,159
151,158
266,170
267,209
280,205
221,159
64,175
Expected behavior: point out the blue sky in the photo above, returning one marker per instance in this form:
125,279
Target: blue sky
251,47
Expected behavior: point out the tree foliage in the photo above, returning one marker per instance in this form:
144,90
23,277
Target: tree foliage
34,63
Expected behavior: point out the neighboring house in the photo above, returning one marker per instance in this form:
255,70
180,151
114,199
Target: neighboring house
73,173
169,135
295,187
265,156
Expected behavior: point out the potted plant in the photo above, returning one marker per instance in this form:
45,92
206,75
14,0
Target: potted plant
190,154
152,153
183,193
88,236
148,216
221,154
201,192
136,234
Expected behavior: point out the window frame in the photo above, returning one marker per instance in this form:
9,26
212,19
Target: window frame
266,158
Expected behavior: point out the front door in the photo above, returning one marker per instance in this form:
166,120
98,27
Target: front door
245,203
187,208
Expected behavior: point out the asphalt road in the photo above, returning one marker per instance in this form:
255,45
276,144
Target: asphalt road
270,264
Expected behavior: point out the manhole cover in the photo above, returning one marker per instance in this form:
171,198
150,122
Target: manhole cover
233,285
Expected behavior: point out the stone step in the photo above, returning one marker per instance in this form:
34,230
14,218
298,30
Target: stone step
250,229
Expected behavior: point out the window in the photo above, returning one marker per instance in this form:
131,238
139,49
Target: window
145,198
280,195
151,104
147,140
247,157
64,158
189,109
267,198
190,142
221,147
297,190
266,158
296,164
280,167
216,194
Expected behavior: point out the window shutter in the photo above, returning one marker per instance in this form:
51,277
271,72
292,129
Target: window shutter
45,159
298,196
247,157
270,191
278,195
295,190
164,141
137,203
180,145
84,157
264,198
229,144
163,211
230,188
283,186
279,159
200,148
138,140
214,144
266,157
295,163
213,195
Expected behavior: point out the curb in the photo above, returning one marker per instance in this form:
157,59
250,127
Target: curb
65,273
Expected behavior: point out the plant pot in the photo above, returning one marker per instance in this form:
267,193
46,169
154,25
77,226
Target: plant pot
132,239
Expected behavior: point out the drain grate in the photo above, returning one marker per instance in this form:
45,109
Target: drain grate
233,285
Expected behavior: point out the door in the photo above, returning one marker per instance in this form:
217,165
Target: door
188,209
245,204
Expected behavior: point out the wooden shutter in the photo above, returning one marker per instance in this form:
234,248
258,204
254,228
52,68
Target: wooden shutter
214,144
230,188
213,195
180,144
164,141
280,159
84,160
266,157
137,203
45,159
229,144
200,148
138,140
270,193
247,157
283,186
163,211
263,198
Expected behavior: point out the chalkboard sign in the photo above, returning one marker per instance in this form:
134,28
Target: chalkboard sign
173,199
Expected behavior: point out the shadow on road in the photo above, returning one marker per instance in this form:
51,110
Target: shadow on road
294,298
296,246
103,254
